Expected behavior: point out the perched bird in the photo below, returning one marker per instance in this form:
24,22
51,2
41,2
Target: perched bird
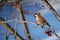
40,20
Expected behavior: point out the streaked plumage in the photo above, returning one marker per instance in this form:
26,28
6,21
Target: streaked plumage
40,20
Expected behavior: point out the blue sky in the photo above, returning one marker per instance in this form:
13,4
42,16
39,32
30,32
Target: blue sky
34,32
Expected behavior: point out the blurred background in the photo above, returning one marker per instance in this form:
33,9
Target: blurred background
30,30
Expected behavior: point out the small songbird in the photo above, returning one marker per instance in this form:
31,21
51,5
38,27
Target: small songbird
40,20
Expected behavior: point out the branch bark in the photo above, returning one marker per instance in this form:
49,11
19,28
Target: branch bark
10,29
51,9
19,9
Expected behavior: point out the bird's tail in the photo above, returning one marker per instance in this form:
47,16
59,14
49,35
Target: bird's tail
48,24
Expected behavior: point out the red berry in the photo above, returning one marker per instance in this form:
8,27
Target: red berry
48,33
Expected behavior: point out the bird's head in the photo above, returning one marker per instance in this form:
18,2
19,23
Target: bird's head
36,14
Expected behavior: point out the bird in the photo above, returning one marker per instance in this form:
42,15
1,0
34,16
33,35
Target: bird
40,20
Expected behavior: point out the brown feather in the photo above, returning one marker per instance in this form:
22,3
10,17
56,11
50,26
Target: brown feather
40,20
